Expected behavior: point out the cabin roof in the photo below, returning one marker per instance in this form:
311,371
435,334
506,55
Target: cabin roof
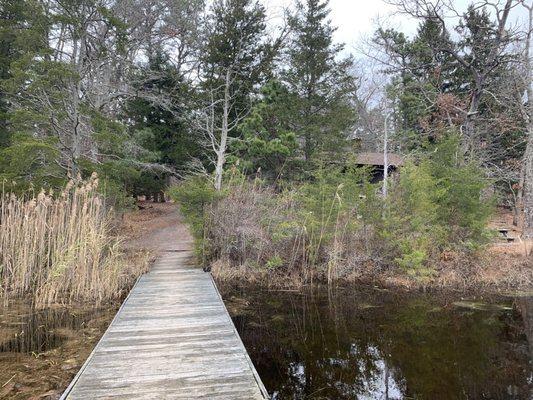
377,159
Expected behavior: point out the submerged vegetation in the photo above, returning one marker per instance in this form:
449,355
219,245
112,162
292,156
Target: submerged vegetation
60,248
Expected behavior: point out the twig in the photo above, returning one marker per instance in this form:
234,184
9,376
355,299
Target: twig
10,379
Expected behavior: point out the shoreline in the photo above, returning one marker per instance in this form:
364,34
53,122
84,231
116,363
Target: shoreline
484,275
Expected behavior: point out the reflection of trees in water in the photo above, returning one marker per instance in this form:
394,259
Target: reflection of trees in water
350,345
525,305
39,330
452,354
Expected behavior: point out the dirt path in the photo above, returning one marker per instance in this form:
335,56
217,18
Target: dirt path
156,227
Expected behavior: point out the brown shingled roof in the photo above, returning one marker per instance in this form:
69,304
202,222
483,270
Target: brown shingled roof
377,159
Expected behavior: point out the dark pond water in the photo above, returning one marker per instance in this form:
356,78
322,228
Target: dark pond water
373,344
41,350
26,330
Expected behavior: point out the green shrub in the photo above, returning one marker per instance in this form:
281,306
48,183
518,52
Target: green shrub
274,262
337,222
414,256
437,204
328,206
193,195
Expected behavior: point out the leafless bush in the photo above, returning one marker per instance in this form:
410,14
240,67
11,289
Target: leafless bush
236,228
256,230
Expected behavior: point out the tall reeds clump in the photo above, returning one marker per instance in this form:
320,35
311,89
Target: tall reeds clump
59,248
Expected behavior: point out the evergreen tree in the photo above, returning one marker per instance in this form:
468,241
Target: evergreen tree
166,133
22,35
422,77
484,81
59,83
236,42
319,82
236,59
437,82
268,146
26,156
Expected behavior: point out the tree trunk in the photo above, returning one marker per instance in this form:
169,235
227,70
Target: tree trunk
221,153
75,140
528,186
519,196
468,140
528,155
385,158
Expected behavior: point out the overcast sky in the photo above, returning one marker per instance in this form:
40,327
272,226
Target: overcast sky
356,18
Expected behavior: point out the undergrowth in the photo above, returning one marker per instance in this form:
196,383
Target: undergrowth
337,224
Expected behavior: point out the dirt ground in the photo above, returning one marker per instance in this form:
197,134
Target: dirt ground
155,227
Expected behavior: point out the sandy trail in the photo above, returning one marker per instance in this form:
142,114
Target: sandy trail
157,227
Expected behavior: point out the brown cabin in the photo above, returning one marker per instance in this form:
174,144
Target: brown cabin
376,163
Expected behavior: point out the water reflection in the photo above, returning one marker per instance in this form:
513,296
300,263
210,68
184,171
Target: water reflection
371,344
25,330
525,305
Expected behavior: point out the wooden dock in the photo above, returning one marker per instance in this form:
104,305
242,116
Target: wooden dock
171,339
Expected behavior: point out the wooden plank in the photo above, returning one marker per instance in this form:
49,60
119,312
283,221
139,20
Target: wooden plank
172,338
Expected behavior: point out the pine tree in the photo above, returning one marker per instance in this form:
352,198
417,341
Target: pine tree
318,81
267,145
236,59
167,134
236,42
22,35
423,76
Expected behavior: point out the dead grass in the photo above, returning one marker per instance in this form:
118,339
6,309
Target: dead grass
486,271
59,248
256,234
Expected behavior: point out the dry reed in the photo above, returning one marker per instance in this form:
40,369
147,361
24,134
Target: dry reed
59,248
253,232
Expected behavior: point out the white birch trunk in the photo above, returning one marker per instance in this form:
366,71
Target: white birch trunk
221,151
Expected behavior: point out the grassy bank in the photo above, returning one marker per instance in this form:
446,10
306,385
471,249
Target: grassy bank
60,248
429,231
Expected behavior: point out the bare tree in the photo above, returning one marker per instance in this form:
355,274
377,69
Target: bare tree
237,56
528,114
370,101
216,128
480,68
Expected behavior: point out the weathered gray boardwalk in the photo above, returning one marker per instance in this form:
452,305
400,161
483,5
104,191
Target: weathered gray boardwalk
171,339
